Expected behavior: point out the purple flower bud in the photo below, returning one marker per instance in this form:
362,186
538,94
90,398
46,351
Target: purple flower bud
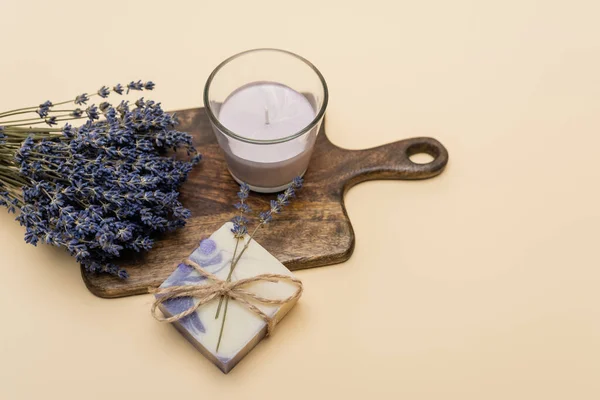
135,86
104,106
92,112
44,108
81,99
104,92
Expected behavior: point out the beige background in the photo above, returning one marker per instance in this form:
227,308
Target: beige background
480,284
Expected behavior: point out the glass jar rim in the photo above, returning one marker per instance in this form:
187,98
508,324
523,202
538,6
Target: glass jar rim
213,118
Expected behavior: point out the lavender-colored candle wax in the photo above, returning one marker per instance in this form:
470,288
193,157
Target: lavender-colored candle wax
267,111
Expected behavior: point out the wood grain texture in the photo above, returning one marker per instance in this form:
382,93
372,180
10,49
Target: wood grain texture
317,219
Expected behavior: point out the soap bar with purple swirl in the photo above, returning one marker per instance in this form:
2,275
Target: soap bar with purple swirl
243,328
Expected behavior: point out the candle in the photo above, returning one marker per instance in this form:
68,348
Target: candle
266,107
244,329
266,111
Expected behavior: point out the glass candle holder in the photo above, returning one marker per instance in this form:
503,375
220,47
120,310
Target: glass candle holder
266,107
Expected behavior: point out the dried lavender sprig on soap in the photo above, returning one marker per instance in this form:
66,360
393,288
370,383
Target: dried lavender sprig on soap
240,222
283,199
239,229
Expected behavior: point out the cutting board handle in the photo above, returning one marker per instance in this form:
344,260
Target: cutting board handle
392,161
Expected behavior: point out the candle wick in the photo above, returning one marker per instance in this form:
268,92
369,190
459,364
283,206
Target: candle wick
267,122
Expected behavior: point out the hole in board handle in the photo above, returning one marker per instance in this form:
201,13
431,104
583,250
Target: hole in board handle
422,153
421,158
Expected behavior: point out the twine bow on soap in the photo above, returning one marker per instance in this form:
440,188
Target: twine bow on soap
216,287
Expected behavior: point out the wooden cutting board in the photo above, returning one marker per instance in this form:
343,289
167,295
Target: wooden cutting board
313,231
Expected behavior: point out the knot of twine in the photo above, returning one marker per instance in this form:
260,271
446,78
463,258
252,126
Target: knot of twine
216,287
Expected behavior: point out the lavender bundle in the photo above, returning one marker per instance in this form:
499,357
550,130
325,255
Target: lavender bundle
98,189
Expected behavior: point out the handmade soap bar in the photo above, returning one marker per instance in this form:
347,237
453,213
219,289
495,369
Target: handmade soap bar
243,328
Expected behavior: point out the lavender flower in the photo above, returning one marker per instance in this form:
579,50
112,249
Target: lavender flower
243,195
135,86
104,92
240,222
265,217
196,159
43,109
239,226
81,99
42,112
283,199
123,108
104,106
51,121
149,85
67,131
77,113
244,191
243,207
92,112
118,88
297,182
